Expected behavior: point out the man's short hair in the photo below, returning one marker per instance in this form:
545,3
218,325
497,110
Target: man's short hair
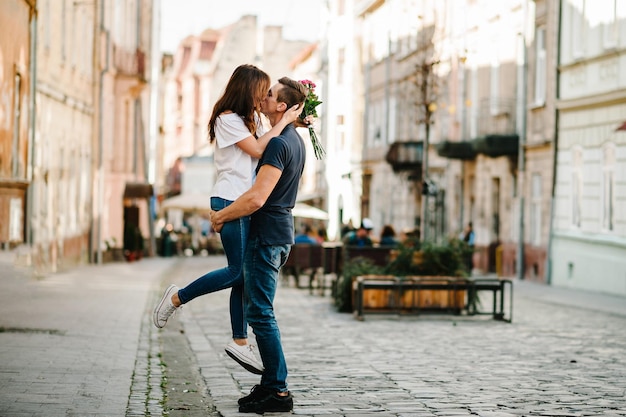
292,93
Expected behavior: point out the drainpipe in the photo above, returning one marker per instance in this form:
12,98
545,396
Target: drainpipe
150,156
100,166
521,162
463,136
30,174
555,145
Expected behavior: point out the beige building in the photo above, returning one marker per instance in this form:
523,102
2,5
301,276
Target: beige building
120,146
341,123
589,223
17,37
62,177
539,145
429,84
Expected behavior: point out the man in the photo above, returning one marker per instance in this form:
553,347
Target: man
469,237
361,236
269,202
307,236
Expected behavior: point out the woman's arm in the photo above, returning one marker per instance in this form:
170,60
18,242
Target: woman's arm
255,147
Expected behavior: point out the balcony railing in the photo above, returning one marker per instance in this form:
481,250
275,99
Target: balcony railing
131,63
405,156
497,116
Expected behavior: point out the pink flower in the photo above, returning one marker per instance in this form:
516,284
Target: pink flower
310,103
308,83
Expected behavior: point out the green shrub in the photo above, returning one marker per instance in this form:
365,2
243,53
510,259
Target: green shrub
353,268
446,259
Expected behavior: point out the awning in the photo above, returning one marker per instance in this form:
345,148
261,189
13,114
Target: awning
308,212
405,155
138,190
456,150
497,145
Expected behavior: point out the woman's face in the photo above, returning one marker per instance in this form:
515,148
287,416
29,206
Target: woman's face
261,93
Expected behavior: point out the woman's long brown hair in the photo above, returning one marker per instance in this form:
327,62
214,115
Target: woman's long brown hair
248,85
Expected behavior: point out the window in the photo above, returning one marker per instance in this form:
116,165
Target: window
608,187
340,7
540,66
535,210
495,85
473,99
17,110
577,186
46,24
611,27
341,60
63,32
577,27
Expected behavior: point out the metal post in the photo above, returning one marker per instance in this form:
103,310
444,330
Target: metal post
521,163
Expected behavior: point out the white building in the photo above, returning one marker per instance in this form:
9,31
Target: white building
588,247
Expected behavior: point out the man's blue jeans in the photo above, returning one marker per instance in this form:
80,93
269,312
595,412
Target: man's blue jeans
234,237
260,271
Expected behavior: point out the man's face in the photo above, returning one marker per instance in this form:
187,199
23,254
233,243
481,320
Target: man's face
270,102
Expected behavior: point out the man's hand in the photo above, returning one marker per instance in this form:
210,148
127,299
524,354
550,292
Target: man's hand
307,122
217,226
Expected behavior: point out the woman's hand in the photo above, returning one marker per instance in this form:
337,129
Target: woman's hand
292,114
214,224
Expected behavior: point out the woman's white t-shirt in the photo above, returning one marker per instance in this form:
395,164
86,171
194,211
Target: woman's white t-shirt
235,168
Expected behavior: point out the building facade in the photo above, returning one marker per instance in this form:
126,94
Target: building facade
120,142
64,130
589,224
17,46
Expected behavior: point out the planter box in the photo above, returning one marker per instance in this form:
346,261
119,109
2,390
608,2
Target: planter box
431,298
374,298
389,294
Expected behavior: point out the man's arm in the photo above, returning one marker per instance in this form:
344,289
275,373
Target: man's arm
251,200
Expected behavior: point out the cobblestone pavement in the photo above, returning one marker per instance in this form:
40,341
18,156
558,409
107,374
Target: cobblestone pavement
555,359
81,343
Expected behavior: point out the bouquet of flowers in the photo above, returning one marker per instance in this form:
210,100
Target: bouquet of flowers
310,103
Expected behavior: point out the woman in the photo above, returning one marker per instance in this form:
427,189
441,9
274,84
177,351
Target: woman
236,128
388,236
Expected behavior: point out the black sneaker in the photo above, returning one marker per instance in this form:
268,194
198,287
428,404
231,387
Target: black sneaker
257,393
270,403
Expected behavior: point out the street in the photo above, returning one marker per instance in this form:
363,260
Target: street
81,343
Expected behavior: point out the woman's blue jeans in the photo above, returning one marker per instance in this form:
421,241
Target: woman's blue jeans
261,266
234,237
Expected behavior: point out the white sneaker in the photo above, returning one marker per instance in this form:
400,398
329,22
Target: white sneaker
164,310
244,356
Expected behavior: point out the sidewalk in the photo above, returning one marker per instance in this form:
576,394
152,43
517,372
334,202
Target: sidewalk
76,343
563,355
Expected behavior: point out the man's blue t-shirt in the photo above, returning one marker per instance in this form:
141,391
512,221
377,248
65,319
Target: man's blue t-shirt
273,223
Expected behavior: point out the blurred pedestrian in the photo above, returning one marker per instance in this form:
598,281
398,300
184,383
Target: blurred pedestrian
469,238
307,236
361,236
388,236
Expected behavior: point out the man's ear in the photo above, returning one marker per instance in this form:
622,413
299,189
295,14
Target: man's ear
281,107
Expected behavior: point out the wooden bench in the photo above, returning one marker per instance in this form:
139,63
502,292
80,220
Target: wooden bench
401,295
304,258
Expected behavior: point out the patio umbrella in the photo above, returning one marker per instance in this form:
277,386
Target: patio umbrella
193,202
308,212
